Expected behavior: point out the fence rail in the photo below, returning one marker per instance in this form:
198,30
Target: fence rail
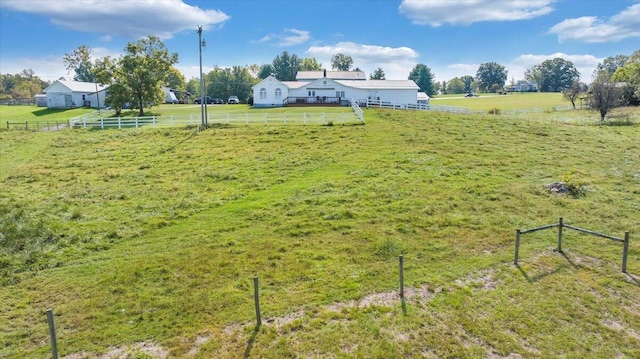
561,225
218,119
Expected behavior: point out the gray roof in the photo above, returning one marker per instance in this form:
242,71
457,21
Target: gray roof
381,84
334,75
77,86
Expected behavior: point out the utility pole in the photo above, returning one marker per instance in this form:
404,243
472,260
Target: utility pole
203,100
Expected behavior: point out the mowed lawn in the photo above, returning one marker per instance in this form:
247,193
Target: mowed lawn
146,242
545,101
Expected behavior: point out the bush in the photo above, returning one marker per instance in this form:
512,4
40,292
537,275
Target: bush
494,111
575,185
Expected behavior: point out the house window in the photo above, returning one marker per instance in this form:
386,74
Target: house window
312,93
263,93
83,97
339,93
278,93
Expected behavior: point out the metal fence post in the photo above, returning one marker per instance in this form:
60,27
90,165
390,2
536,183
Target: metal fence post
515,258
52,333
256,298
625,252
560,235
401,270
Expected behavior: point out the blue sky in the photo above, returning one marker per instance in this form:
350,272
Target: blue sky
452,37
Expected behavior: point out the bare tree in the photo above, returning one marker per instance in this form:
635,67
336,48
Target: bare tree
573,92
604,95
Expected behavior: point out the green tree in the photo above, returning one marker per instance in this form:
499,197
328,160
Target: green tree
79,61
266,70
108,72
310,64
468,82
629,74
285,66
193,87
341,62
456,85
224,82
609,65
23,85
175,79
378,74
144,66
553,75
490,74
424,78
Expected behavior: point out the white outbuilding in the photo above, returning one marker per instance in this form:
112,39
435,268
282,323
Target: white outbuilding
70,94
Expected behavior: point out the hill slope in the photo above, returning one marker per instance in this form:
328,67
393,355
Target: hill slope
147,241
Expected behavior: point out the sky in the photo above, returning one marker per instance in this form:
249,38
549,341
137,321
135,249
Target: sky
451,37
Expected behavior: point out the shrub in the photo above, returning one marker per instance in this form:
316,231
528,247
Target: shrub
494,111
575,185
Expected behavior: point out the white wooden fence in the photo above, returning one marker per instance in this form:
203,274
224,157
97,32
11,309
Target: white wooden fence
214,119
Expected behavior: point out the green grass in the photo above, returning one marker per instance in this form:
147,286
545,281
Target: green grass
512,101
154,236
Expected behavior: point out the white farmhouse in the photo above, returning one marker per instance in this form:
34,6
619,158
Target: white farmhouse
337,88
70,94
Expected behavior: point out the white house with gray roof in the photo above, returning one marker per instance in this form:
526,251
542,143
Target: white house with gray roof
70,94
332,88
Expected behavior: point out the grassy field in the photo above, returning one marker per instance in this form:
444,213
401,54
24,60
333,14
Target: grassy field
512,101
145,242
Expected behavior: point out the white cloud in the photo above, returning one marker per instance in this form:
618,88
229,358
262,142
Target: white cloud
129,19
289,37
396,62
591,29
466,12
297,37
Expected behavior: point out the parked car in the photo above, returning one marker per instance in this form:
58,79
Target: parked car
208,100
469,95
233,100
218,101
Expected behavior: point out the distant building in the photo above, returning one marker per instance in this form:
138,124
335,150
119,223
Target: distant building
523,86
332,88
70,94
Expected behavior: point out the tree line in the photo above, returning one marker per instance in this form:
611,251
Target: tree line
137,77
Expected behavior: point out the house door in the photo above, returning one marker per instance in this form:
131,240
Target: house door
67,101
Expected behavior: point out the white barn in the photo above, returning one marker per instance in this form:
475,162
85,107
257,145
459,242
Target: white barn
70,94
332,88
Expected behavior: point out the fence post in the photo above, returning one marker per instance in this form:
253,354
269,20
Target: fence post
285,118
136,121
247,119
26,125
102,123
265,118
560,235
256,298
304,116
515,258
153,118
7,125
624,252
119,123
401,271
52,333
